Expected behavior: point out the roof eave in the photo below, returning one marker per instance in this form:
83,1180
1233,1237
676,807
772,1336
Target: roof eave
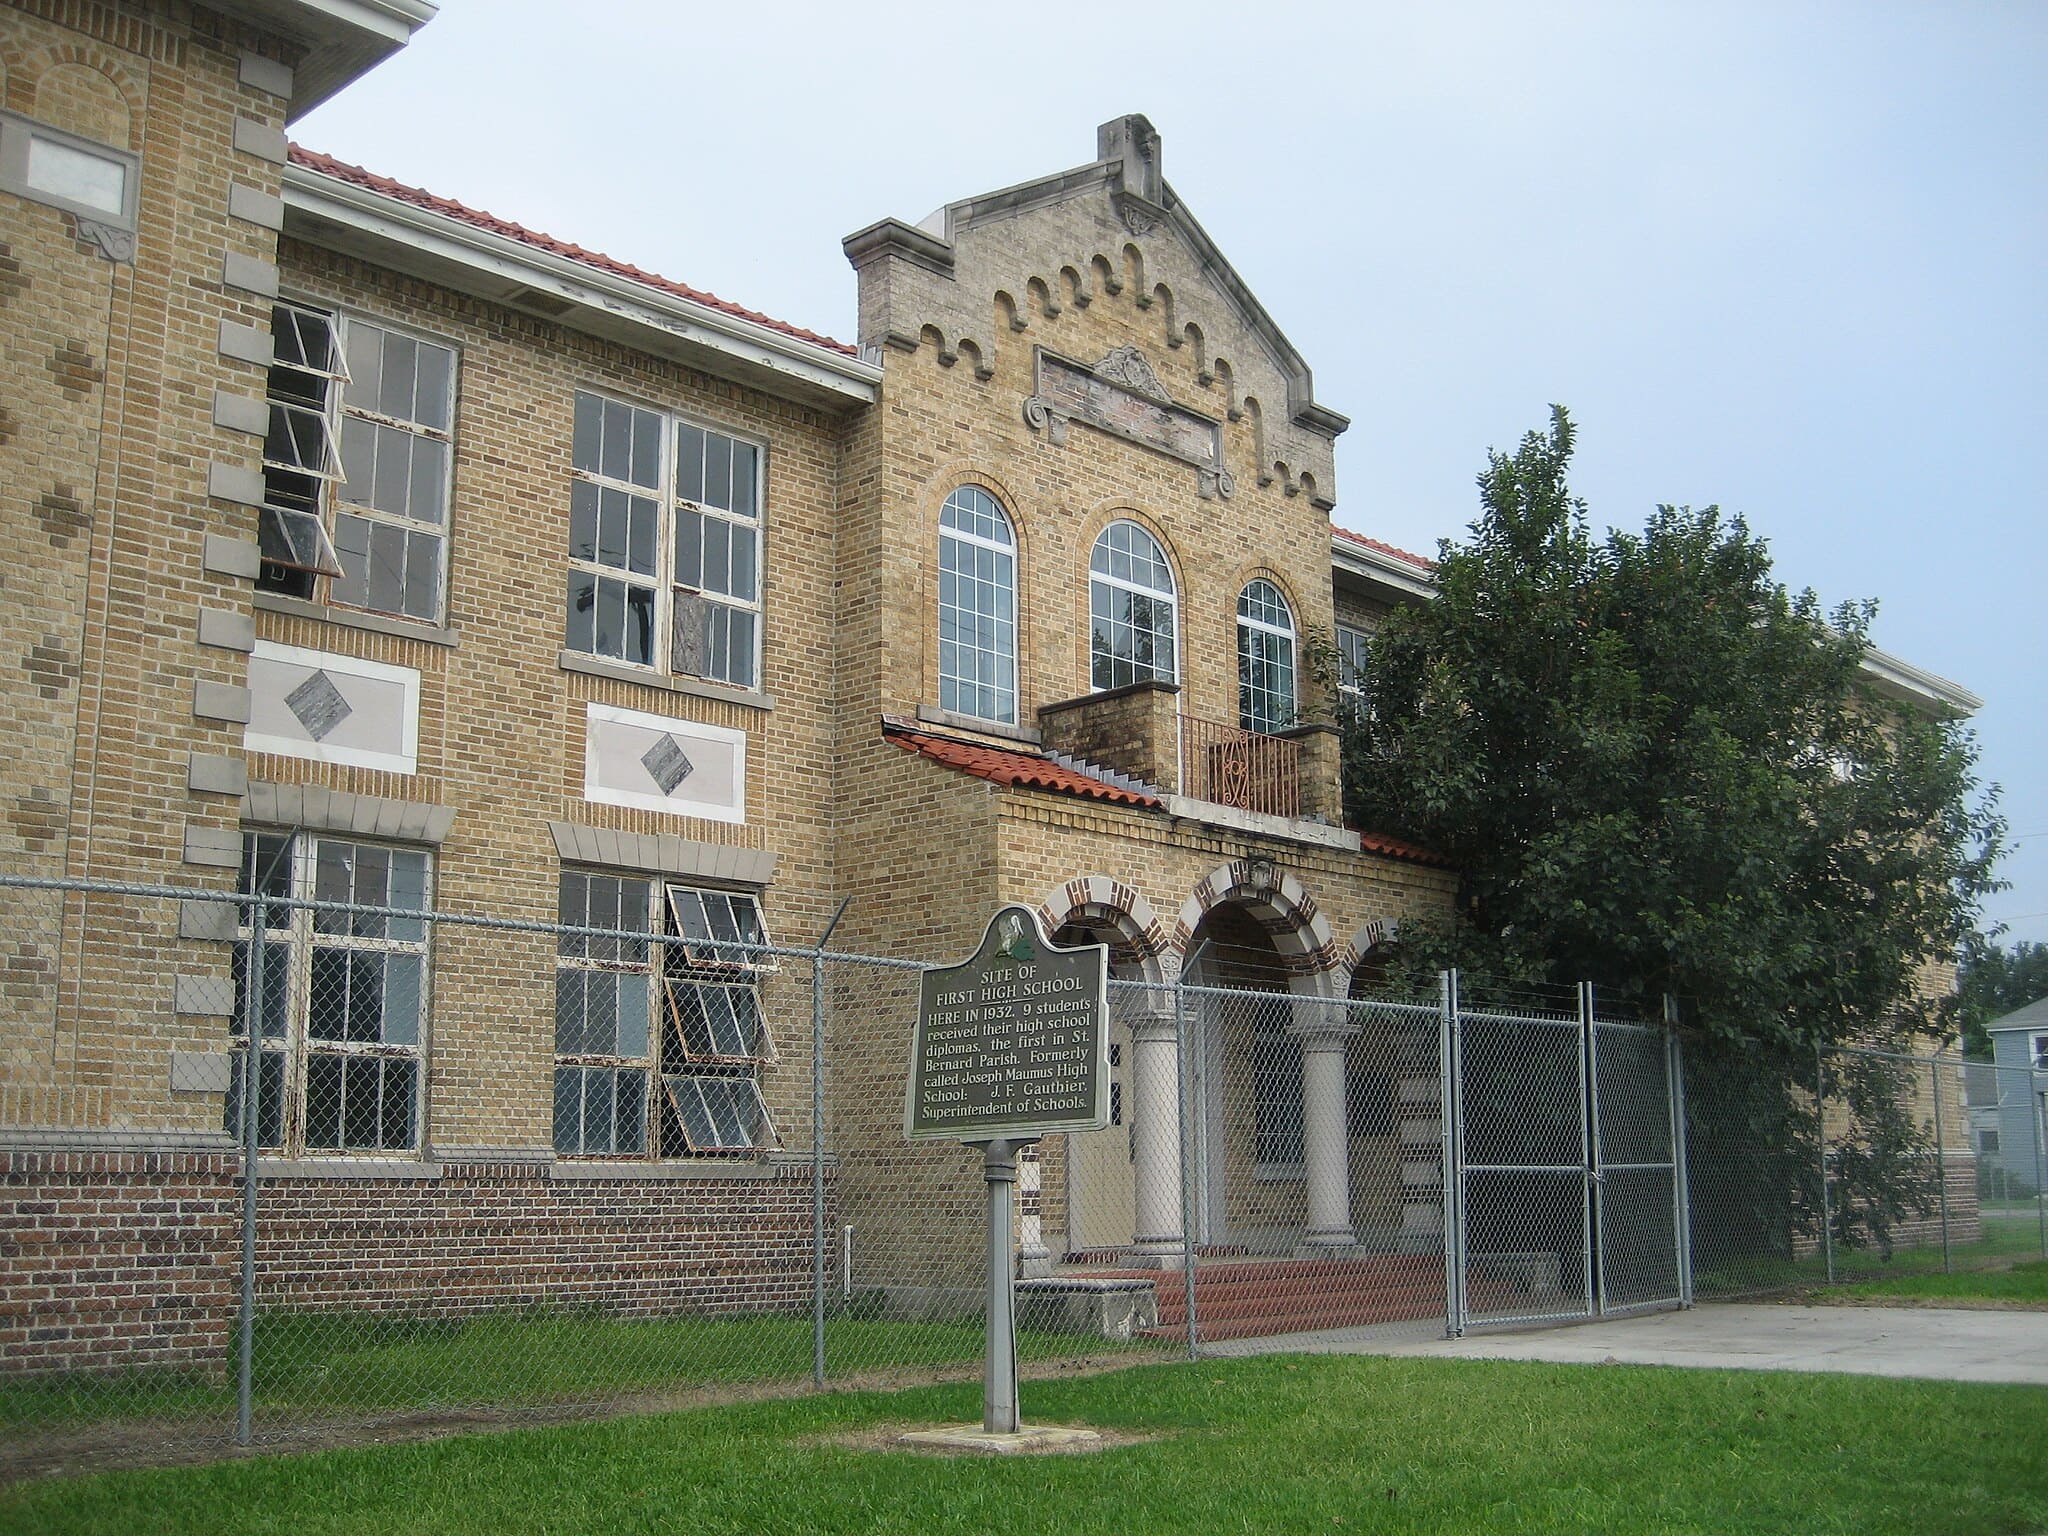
503,269
1901,680
1398,578
341,40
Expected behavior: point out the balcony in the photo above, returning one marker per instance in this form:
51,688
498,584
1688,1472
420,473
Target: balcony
1285,785
1243,769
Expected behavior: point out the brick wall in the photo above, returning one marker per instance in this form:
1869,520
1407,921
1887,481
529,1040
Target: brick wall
125,1260
116,1260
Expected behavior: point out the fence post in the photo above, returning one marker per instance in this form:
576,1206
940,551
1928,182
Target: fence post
1820,1129
1451,1107
1941,1167
1681,1174
2040,1102
818,1153
1187,1164
1591,1214
252,1093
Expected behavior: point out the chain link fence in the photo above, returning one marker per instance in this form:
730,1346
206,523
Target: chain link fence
310,1159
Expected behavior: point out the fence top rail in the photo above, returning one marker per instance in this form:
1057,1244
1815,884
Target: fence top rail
739,947
1121,984
1491,1016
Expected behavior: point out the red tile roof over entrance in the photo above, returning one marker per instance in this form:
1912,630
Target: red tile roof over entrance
1394,848
1028,770
1021,770
355,175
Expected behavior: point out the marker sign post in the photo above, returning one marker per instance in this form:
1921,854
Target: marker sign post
1010,1045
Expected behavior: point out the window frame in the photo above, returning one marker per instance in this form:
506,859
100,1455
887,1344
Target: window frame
297,943
1352,644
1249,626
18,134
319,581
669,594
955,691
1170,596
678,967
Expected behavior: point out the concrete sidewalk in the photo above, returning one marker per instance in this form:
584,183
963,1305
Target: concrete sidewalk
1947,1345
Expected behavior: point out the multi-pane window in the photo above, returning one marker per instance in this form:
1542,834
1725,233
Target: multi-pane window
356,463
659,1038
977,607
664,543
1131,609
1351,645
1276,1087
344,992
1265,659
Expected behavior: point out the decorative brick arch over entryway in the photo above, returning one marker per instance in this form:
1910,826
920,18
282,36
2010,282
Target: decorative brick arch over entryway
1283,907
1105,903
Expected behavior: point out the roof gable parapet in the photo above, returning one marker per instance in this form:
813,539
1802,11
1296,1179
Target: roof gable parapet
979,273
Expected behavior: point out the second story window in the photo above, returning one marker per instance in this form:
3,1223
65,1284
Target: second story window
1351,644
1131,609
1265,659
664,543
977,608
356,463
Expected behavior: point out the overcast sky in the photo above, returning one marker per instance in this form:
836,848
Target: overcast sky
1787,258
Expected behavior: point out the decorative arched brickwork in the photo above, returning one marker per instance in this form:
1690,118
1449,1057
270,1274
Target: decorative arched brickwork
1100,900
1284,909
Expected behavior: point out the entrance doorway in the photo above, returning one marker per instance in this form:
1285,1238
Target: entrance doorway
1101,1188
1245,1083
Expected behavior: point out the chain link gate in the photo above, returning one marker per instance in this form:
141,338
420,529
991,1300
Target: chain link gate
1564,1137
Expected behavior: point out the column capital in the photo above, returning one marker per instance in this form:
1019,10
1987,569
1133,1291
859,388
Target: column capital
1150,1026
1323,1034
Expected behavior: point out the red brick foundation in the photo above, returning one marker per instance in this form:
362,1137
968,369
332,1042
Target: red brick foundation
117,1261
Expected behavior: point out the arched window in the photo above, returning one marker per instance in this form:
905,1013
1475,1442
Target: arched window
1131,609
1265,659
977,608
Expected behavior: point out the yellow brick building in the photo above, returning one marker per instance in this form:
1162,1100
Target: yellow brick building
360,546
363,547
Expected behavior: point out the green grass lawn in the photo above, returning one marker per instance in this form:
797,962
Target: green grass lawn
2023,1284
314,1366
2007,1237
1325,1444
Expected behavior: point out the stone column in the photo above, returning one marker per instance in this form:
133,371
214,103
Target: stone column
1326,1140
1156,1129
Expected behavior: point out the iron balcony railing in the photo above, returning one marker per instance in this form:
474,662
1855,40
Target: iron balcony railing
1246,769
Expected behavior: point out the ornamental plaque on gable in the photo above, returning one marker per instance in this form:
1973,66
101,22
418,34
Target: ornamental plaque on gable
1122,395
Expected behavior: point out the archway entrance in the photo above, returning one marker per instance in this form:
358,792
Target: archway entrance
1101,1173
1245,1088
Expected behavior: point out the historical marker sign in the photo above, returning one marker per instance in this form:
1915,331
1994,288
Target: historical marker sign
1012,1044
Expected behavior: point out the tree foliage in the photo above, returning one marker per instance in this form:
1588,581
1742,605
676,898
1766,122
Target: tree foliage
1991,982
1657,769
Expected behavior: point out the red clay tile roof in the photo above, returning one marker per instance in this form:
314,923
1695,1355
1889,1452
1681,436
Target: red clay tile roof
1394,848
1000,765
355,175
1420,562
1028,770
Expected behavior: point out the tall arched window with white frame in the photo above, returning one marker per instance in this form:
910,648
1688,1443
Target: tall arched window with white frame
977,608
1265,658
1132,609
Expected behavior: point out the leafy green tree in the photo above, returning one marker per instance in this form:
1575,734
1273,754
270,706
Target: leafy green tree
1657,769
1992,982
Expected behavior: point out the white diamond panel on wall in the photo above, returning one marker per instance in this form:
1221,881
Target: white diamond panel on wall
333,709
658,764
